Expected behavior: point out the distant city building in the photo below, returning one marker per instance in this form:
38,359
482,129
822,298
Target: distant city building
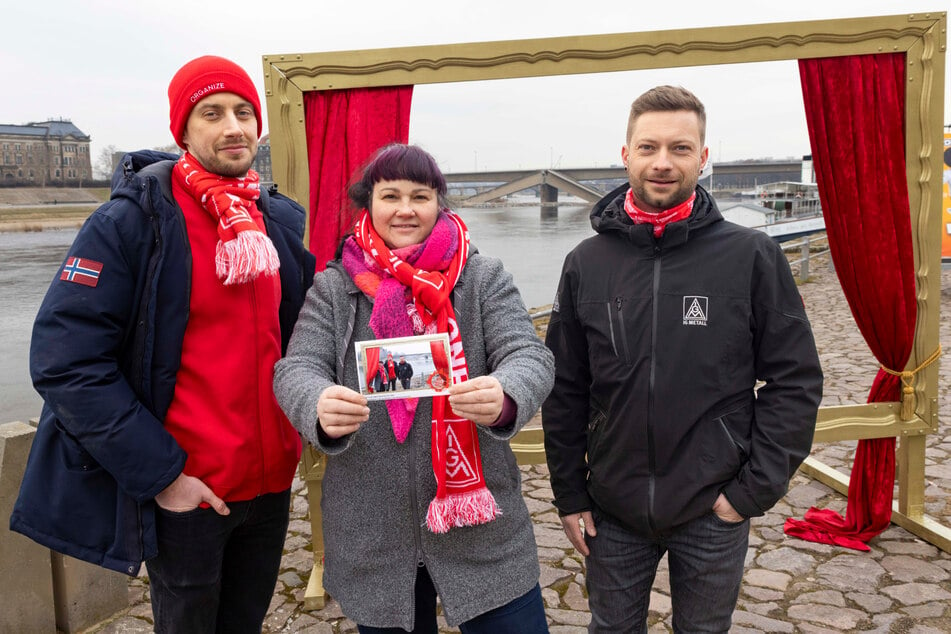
262,162
44,154
748,214
791,199
751,173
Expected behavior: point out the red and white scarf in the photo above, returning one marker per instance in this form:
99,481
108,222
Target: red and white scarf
462,498
244,251
661,219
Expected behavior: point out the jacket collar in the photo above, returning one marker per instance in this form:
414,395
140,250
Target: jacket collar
151,170
608,216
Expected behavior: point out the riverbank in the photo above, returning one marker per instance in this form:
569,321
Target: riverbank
43,222
48,208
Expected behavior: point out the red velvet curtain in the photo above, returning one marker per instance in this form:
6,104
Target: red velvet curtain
373,365
440,360
855,111
344,127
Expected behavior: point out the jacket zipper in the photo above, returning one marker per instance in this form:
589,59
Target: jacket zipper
622,328
611,328
140,368
733,443
154,259
650,394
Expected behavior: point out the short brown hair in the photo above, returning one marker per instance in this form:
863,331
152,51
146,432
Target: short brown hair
667,99
397,161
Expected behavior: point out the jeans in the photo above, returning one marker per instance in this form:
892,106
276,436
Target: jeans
524,615
217,573
706,557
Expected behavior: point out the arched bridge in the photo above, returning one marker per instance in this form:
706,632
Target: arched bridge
489,186
482,187
549,183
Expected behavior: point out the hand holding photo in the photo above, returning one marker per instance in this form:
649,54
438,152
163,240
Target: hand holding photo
403,367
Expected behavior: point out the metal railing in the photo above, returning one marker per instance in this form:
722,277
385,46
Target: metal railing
806,254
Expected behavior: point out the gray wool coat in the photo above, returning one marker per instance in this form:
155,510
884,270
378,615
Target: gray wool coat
376,491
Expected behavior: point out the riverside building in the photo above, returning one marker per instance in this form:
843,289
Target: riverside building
44,154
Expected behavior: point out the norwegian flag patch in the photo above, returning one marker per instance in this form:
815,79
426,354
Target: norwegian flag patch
82,271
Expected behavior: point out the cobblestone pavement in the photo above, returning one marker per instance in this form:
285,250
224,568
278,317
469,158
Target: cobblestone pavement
902,585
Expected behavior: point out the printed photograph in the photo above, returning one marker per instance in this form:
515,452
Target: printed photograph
404,367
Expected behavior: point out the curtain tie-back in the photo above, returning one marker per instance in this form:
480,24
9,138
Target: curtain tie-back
908,383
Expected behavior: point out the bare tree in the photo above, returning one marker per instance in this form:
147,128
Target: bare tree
105,164
171,148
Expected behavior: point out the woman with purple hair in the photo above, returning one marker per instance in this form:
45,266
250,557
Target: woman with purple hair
421,496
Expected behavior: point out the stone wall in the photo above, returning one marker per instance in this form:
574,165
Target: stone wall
44,591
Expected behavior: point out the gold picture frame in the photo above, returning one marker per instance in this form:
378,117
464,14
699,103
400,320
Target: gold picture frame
921,36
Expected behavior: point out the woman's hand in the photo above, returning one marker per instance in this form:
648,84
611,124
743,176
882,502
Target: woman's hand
341,411
479,399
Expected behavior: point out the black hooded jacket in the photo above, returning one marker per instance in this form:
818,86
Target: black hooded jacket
659,347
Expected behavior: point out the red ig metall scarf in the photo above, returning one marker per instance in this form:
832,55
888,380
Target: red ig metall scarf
462,498
659,220
244,251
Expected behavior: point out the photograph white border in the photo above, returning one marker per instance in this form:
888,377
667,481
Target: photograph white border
425,379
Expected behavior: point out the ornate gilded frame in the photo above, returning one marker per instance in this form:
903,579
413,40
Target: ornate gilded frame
921,36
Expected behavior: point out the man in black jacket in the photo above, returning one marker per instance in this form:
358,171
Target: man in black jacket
405,372
687,382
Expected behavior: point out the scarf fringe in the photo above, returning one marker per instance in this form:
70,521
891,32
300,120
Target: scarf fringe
462,509
241,260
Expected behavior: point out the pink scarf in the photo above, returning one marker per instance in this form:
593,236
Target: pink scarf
412,296
244,251
659,220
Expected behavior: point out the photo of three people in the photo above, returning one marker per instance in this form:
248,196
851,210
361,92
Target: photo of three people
404,367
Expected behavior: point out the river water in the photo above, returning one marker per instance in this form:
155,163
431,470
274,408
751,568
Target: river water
532,248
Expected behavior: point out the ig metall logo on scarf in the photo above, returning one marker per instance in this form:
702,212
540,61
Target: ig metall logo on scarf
696,309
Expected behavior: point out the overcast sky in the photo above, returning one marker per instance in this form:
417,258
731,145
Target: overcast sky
105,65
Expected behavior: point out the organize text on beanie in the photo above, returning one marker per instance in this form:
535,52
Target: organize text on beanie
216,87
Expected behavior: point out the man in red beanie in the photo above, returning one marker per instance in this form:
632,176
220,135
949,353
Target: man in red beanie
160,439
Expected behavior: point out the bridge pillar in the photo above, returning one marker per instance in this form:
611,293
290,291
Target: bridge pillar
549,200
548,194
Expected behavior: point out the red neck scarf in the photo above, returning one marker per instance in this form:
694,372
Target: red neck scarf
244,251
462,498
659,220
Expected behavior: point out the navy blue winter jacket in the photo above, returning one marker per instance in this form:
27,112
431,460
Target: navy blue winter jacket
105,364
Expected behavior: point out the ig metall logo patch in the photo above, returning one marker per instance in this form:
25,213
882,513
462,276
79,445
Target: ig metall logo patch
696,310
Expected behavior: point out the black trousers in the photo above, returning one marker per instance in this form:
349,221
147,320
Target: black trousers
217,573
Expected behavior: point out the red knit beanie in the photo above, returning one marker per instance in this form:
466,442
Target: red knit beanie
202,77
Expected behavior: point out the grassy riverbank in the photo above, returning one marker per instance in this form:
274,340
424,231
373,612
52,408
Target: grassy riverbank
44,219
39,209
